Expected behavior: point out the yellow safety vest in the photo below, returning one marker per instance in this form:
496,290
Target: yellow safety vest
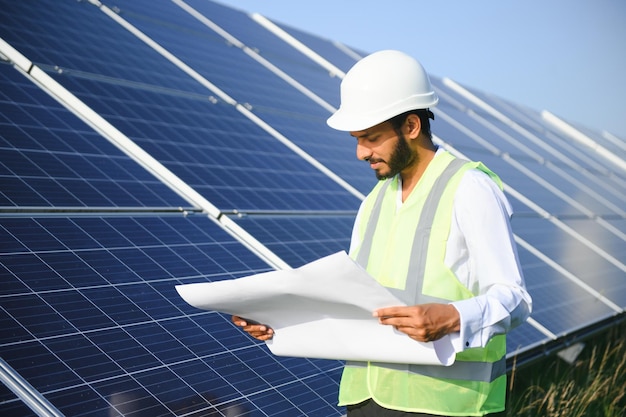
405,252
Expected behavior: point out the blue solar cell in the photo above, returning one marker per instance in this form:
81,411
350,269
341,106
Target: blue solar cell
12,187
78,401
39,366
77,310
33,272
186,332
34,315
115,305
85,358
13,330
124,350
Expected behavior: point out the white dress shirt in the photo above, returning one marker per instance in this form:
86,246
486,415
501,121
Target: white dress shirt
482,254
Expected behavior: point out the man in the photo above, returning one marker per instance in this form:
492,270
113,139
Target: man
435,230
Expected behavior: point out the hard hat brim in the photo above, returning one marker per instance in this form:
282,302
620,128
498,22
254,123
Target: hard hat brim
349,120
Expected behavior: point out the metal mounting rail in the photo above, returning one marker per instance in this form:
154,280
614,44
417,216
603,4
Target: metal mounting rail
22,389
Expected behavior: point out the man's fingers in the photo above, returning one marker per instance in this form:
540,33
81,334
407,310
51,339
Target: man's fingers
384,312
397,321
254,329
260,332
238,321
389,312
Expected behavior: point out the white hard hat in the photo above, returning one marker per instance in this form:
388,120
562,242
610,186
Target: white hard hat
380,86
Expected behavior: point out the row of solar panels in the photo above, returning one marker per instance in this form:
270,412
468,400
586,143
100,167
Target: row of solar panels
145,145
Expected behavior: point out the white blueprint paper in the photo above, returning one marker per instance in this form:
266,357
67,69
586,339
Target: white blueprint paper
320,310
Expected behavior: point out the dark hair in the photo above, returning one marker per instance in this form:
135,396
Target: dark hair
424,114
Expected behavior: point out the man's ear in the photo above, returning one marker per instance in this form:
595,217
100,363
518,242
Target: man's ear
414,126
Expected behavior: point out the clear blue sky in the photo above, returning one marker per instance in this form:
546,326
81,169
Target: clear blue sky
565,56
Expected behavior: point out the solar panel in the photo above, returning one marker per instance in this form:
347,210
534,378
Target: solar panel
50,158
147,101
100,320
212,161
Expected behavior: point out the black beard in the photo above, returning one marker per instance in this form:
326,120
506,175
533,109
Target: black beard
401,157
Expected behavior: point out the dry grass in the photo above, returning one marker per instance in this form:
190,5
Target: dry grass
594,386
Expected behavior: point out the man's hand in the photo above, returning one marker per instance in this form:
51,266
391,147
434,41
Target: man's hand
424,322
256,330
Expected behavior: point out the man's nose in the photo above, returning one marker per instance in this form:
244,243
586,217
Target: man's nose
363,153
